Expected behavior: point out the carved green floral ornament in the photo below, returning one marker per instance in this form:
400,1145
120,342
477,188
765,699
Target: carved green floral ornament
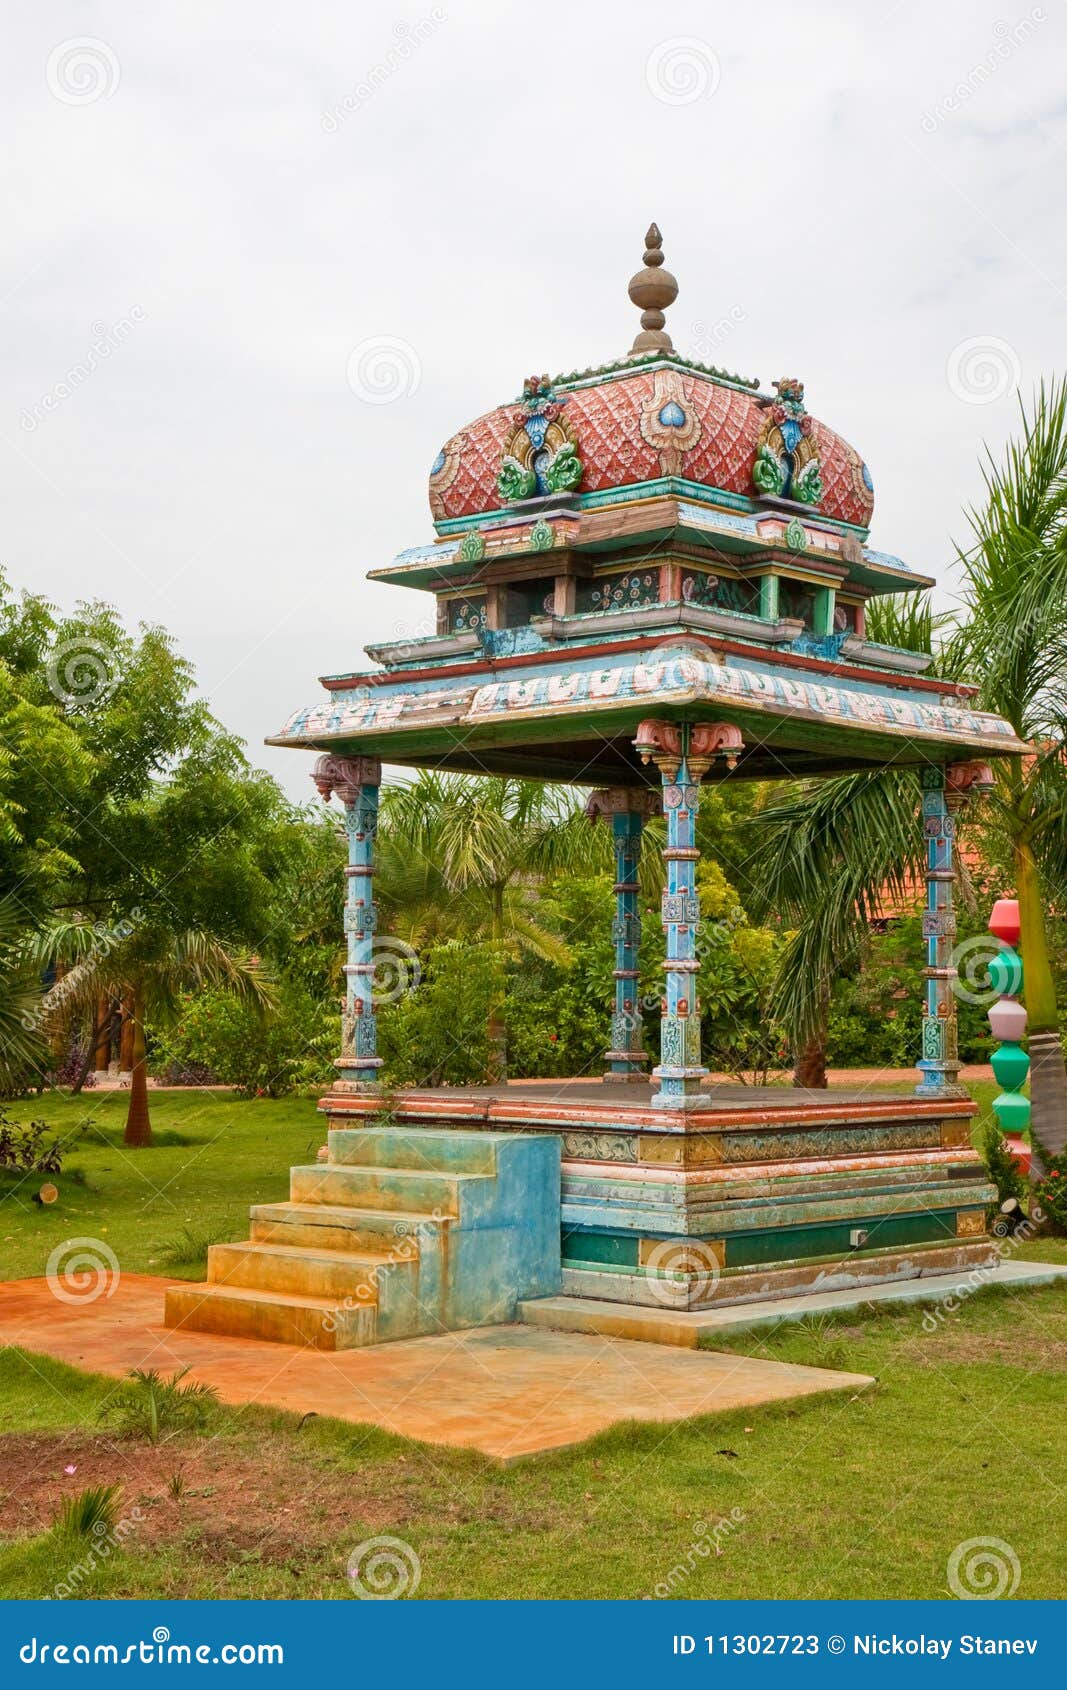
796,537
807,486
565,471
515,481
471,548
767,472
542,538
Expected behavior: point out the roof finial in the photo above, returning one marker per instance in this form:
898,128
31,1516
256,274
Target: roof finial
651,289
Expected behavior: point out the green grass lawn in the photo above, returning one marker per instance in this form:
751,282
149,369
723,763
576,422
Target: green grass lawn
865,1496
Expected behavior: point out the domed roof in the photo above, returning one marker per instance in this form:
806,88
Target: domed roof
653,415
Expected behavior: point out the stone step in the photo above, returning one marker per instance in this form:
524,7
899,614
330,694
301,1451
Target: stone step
294,1268
699,1328
365,1251
327,1226
278,1316
419,1149
396,1189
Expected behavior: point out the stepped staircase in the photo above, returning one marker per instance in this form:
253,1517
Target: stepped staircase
402,1232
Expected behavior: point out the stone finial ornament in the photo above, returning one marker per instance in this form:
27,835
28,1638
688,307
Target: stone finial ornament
651,289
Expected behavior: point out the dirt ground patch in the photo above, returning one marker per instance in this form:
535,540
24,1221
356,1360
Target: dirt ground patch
225,1500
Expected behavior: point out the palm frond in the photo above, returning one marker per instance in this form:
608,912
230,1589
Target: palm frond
824,859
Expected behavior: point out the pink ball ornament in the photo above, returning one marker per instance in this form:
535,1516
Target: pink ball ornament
1007,1021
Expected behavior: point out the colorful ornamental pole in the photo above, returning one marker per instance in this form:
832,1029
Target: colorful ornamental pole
683,754
1007,1019
356,781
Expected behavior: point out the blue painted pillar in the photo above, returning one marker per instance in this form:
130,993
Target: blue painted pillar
939,1063
683,753
944,792
356,781
627,808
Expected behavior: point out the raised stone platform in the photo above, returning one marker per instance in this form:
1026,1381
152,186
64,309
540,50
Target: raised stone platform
760,1192
688,1328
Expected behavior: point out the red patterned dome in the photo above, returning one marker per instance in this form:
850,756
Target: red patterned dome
651,416
635,425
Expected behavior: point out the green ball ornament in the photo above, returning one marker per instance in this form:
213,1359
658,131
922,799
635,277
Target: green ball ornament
1006,973
1011,1065
1012,1111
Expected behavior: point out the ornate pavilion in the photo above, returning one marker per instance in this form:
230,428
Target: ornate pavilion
649,576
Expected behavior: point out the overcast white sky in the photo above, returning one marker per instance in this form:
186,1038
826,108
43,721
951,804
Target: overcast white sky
230,199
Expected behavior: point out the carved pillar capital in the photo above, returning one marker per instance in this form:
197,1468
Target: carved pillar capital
660,743
709,740
345,776
966,780
610,801
665,744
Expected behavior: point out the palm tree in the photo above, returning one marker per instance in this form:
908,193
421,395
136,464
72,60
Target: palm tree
147,967
825,855
461,855
22,1048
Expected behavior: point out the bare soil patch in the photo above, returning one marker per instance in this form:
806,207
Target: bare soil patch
228,1502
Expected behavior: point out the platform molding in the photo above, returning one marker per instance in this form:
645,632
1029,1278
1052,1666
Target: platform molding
769,1192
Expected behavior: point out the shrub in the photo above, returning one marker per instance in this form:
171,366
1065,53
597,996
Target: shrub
22,1149
1050,1192
1001,1166
149,1405
189,1248
436,1034
92,1513
259,1056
